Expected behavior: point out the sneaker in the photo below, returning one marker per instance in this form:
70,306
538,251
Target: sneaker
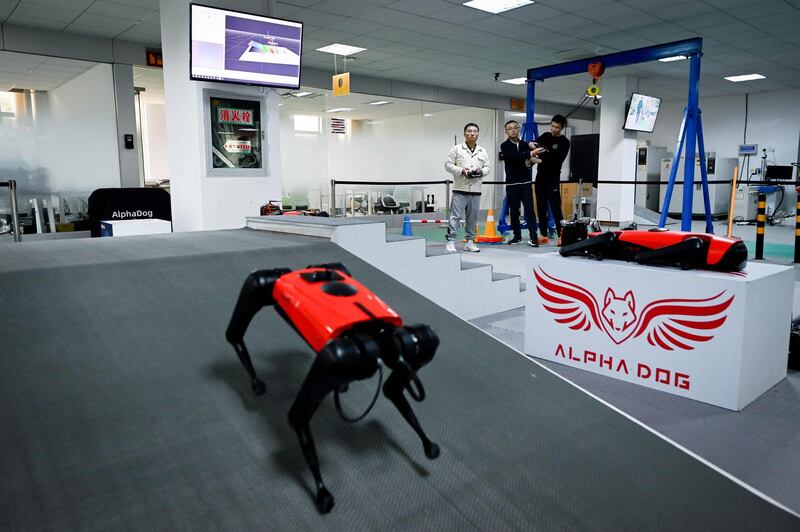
470,246
543,240
533,244
552,233
514,241
450,246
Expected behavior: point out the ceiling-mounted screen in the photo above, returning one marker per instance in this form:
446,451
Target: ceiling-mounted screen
642,113
237,47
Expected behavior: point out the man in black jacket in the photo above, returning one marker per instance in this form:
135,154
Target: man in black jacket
552,149
518,162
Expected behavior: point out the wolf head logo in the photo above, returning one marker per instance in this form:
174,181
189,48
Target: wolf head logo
619,314
669,324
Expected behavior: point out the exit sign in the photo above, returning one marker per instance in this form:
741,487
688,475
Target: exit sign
517,104
154,58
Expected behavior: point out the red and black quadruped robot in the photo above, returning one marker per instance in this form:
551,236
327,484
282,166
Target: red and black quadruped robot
663,248
353,333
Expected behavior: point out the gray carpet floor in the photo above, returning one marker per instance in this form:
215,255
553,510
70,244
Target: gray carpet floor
124,408
759,445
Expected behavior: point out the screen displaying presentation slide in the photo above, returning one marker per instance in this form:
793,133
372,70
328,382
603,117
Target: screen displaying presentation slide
243,48
642,113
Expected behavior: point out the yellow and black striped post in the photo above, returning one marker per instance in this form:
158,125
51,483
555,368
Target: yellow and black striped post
761,219
797,231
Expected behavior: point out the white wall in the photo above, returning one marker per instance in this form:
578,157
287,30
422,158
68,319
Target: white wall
617,160
773,119
723,124
62,141
404,148
79,141
154,140
200,202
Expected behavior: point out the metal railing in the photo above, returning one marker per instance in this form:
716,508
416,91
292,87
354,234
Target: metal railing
335,183
12,191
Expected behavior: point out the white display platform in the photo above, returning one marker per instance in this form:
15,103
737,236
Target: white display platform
148,226
720,338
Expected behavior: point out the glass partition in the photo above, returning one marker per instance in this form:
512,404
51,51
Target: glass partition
58,138
374,140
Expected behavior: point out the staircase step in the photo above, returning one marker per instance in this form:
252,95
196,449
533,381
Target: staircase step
400,238
496,276
435,251
472,265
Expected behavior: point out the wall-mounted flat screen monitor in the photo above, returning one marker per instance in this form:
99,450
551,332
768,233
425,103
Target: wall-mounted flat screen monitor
236,47
642,113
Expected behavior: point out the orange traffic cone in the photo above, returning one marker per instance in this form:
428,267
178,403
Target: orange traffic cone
489,235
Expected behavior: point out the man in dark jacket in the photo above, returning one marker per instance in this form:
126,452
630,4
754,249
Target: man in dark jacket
518,162
552,149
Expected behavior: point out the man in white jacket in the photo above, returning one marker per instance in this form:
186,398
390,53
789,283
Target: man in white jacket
468,163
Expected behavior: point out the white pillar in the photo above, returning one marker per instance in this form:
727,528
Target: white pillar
200,202
617,152
129,158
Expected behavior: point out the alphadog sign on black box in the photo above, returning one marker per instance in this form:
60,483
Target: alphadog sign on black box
128,204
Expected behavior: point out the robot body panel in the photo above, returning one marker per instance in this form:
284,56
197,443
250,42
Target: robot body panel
664,248
322,304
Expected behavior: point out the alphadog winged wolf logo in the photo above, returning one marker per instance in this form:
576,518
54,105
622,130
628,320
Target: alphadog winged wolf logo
666,323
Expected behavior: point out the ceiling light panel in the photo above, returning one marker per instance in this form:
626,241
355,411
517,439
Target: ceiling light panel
340,49
497,6
673,58
745,77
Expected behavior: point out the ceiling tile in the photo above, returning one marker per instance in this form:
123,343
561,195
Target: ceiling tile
318,18
535,13
348,8
354,26
682,10
29,10
419,7
74,5
386,17
105,24
423,25
396,34
459,14
108,32
109,9
37,22
574,6
708,20
331,36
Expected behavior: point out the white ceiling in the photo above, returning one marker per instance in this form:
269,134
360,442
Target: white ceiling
441,42
321,100
38,72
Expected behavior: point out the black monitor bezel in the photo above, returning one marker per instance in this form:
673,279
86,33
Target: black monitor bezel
246,83
628,108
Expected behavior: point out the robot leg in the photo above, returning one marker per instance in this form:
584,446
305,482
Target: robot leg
416,347
338,363
256,293
595,246
688,254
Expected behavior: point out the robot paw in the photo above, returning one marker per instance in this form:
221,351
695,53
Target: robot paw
324,501
432,451
259,388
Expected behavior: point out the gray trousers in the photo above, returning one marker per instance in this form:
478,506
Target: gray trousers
463,206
